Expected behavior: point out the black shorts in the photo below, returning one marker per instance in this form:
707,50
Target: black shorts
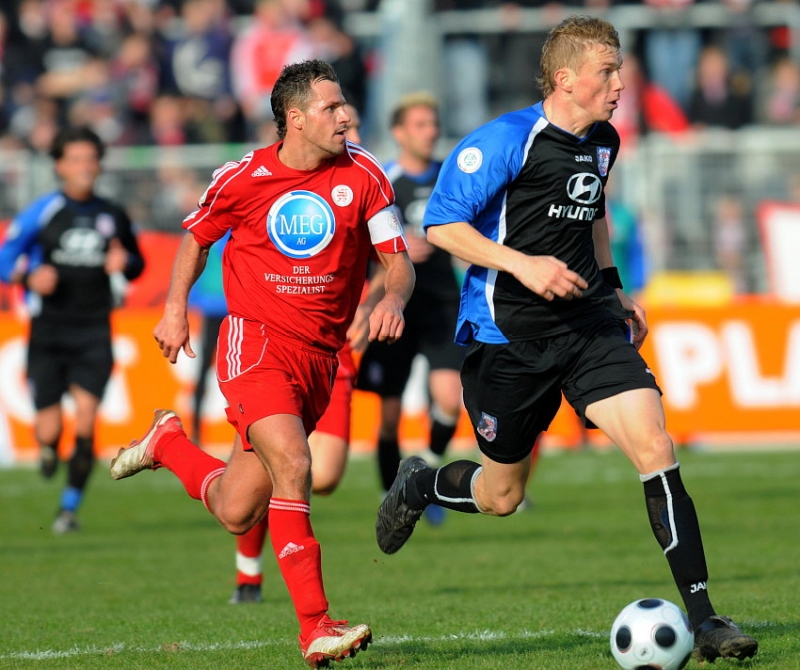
430,326
60,356
513,391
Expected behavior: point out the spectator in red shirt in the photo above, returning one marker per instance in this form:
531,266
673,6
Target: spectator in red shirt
275,37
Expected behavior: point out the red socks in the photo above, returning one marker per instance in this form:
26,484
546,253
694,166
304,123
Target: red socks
194,467
298,552
299,559
248,554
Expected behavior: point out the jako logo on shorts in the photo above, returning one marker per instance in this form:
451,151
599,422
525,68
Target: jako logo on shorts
300,224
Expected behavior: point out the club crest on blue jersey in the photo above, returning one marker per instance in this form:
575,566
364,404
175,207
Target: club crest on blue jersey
487,427
603,159
300,224
469,159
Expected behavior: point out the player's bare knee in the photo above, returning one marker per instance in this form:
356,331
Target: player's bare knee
239,525
510,504
235,526
237,519
447,408
656,454
324,487
235,529
502,504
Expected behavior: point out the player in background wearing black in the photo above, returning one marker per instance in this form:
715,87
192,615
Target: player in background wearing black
522,200
64,250
433,309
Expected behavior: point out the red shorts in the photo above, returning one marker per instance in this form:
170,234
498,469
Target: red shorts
261,375
336,419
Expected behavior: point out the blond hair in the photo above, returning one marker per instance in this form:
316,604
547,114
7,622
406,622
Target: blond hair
415,99
566,46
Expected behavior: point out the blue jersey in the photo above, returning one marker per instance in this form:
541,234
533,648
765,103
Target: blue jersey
527,184
74,237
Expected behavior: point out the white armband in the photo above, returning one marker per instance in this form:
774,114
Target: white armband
386,225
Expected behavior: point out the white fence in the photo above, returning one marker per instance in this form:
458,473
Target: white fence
698,196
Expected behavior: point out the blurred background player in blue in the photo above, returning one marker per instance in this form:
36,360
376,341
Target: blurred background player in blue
64,249
433,309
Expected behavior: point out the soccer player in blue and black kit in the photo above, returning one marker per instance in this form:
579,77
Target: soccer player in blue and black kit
543,312
64,249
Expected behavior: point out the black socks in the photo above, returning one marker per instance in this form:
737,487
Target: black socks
388,460
675,526
81,463
450,486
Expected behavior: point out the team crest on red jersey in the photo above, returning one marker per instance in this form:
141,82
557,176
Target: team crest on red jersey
342,195
603,160
487,428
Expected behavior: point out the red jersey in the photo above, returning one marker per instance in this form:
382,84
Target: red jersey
300,240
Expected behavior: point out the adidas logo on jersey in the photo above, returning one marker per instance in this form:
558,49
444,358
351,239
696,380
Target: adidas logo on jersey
261,172
290,548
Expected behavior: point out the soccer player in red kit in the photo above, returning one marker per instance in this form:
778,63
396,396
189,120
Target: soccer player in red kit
330,441
304,215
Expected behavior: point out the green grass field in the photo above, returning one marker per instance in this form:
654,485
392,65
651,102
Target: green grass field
145,583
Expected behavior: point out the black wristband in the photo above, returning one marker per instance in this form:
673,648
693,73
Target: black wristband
611,277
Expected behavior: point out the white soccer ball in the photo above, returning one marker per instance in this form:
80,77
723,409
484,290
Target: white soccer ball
652,634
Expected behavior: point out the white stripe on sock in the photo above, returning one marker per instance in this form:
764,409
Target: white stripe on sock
471,499
662,474
290,506
252,567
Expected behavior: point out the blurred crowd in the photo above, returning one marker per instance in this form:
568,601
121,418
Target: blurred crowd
174,72
677,76
159,72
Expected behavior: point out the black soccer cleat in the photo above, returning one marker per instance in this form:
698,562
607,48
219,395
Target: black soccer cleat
718,637
246,593
396,520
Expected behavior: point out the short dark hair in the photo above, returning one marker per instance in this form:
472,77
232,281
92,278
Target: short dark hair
73,134
293,88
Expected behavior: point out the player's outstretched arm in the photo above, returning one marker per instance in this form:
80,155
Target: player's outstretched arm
172,332
386,322
546,276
